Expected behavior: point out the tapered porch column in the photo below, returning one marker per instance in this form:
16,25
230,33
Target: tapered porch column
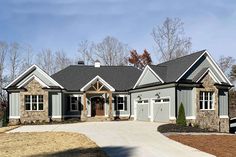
84,112
110,106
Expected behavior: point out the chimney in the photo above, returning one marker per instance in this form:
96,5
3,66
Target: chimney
97,64
80,62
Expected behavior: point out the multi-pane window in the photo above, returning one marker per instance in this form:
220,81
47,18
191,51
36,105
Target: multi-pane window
120,104
206,100
75,103
34,102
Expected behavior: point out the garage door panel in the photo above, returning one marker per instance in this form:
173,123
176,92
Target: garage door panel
161,112
142,112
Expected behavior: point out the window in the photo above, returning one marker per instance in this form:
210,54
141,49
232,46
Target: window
75,103
34,102
206,100
162,100
120,103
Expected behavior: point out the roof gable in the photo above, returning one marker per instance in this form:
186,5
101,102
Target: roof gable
34,72
148,76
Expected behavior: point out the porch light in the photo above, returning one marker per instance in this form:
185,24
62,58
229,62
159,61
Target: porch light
139,97
157,94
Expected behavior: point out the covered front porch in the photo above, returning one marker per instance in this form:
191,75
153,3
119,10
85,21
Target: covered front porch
97,99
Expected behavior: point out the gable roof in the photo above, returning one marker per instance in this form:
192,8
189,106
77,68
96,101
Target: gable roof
171,70
26,76
74,77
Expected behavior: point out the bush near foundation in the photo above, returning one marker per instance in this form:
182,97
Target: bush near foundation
181,119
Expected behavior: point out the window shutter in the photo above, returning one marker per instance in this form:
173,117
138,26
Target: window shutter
115,103
125,103
68,103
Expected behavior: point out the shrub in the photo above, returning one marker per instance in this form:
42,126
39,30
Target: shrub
181,119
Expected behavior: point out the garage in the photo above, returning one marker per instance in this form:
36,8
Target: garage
142,110
161,110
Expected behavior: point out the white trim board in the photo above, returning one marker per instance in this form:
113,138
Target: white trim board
144,72
14,117
88,85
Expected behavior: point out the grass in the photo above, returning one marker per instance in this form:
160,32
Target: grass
218,145
48,144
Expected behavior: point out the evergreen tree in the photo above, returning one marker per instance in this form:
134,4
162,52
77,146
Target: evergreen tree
181,119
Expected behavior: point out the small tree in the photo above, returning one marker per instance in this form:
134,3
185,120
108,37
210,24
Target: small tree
181,119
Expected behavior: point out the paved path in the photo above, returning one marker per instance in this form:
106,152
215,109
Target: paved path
126,139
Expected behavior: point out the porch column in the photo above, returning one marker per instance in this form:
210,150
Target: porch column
110,106
84,112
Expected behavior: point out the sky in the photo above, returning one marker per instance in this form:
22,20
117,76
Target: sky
62,24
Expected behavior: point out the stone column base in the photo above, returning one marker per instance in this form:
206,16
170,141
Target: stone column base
84,116
14,122
56,119
224,125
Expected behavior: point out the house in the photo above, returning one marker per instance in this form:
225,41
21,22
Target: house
153,94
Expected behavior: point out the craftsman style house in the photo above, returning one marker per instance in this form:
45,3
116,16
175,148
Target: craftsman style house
153,94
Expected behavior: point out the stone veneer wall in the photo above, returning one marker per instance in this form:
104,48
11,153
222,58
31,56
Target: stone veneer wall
34,88
210,118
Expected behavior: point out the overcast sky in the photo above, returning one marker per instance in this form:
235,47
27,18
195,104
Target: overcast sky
62,24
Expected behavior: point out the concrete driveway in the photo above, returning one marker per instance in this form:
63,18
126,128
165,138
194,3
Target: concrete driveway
126,139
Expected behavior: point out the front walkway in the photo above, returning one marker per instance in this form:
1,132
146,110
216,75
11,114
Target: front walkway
127,138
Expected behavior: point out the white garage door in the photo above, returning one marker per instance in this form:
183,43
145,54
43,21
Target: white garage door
142,110
161,110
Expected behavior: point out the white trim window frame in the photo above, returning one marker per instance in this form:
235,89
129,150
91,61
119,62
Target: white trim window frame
34,102
206,100
122,102
76,102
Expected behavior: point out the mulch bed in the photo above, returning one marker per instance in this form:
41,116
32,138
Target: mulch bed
167,128
219,145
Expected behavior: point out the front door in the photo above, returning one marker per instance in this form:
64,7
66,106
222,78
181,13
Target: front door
97,106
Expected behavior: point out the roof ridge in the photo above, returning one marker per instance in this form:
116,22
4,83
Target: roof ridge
182,57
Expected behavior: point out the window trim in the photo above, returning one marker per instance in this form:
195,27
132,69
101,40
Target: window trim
116,103
31,103
208,101
78,97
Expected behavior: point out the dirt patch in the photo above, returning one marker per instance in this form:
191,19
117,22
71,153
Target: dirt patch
8,128
219,145
48,144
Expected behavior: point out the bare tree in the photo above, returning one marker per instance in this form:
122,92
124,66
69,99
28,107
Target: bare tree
85,51
28,57
46,60
112,52
3,52
61,60
170,39
225,63
14,60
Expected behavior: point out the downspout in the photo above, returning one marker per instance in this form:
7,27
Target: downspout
176,100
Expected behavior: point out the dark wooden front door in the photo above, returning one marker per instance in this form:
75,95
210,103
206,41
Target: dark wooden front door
97,106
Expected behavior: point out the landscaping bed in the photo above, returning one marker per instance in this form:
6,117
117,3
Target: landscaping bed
219,145
48,144
168,128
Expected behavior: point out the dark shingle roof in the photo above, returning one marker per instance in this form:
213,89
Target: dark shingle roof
171,70
74,77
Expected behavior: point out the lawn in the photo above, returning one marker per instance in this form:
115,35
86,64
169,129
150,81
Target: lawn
219,145
48,144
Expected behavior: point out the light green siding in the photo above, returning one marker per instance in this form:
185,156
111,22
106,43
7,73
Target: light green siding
184,95
148,78
223,102
14,104
56,106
